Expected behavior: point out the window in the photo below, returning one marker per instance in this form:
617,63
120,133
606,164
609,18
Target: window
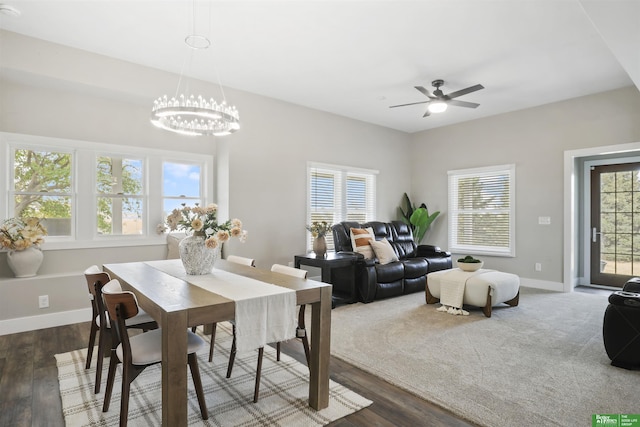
42,183
98,195
180,184
338,193
120,195
482,211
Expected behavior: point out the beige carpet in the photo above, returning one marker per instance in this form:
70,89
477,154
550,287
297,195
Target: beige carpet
284,391
542,363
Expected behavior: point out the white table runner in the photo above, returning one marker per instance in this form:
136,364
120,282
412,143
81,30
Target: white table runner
265,313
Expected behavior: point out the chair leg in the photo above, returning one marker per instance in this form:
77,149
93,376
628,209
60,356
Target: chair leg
103,342
301,332
213,340
111,376
197,382
124,396
92,343
232,355
278,351
307,349
258,373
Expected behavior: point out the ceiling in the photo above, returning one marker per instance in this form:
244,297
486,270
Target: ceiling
356,58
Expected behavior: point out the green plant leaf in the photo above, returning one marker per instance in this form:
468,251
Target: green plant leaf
422,220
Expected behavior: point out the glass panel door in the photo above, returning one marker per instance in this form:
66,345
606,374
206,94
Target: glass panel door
615,223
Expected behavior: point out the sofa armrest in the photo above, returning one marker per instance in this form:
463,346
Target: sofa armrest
431,251
355,254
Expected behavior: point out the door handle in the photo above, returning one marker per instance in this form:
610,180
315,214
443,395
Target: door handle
594,235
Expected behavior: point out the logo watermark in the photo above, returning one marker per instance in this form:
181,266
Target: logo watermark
615,420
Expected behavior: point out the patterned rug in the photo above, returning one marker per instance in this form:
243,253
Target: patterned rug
284,392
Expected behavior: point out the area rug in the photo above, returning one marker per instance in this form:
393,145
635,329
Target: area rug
542,363
284,392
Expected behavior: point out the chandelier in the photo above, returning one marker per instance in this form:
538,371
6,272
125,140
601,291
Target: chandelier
191,115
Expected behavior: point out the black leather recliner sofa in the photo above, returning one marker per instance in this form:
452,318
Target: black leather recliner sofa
375,281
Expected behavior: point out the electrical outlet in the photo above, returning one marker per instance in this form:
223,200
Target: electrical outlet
538,266
43,301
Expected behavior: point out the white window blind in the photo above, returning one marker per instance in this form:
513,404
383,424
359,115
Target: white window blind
482,211
337,193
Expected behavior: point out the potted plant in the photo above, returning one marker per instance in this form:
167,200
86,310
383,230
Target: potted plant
23,237
318,230
200,250
418,219
469,263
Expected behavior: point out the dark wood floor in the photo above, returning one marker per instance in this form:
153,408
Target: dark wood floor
29,392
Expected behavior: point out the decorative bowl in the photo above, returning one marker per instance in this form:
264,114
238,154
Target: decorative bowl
470,266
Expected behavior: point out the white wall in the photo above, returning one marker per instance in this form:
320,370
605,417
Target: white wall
54,91
535,141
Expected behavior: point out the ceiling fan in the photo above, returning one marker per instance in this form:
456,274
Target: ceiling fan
438,101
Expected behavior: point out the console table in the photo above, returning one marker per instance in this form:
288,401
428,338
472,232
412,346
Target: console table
337,269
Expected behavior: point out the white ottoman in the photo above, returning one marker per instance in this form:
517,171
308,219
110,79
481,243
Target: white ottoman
483,288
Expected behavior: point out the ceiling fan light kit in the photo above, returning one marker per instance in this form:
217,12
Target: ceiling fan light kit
437,107
438,101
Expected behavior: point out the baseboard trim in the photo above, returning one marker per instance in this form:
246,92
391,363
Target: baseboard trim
542,284
32,323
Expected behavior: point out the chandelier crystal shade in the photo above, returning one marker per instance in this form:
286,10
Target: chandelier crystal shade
191,115
195,116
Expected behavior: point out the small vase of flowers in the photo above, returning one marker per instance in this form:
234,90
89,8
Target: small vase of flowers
200,250
318,230
23,237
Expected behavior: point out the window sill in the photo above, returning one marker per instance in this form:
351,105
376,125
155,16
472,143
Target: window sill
102,243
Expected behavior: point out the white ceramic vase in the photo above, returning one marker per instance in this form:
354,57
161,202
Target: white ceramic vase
25,263
320,246
196,257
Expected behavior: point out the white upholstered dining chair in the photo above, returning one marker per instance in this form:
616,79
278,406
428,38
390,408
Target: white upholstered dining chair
141,351
100,324
242,260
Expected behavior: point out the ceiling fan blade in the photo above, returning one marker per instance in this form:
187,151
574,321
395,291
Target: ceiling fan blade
426,113
413,103
464,91
425,92
462,103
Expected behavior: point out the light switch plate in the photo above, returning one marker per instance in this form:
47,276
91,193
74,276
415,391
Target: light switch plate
544,220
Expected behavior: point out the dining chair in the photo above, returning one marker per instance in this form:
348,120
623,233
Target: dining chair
100,323
237,260
140,351
242,260
282,269
301,330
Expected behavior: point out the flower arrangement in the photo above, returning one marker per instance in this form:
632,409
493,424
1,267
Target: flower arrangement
203,221
18,234
319,228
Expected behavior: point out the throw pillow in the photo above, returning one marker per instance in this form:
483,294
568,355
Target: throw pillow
384,251
360,238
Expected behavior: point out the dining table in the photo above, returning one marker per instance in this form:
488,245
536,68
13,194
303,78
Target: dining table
176,304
